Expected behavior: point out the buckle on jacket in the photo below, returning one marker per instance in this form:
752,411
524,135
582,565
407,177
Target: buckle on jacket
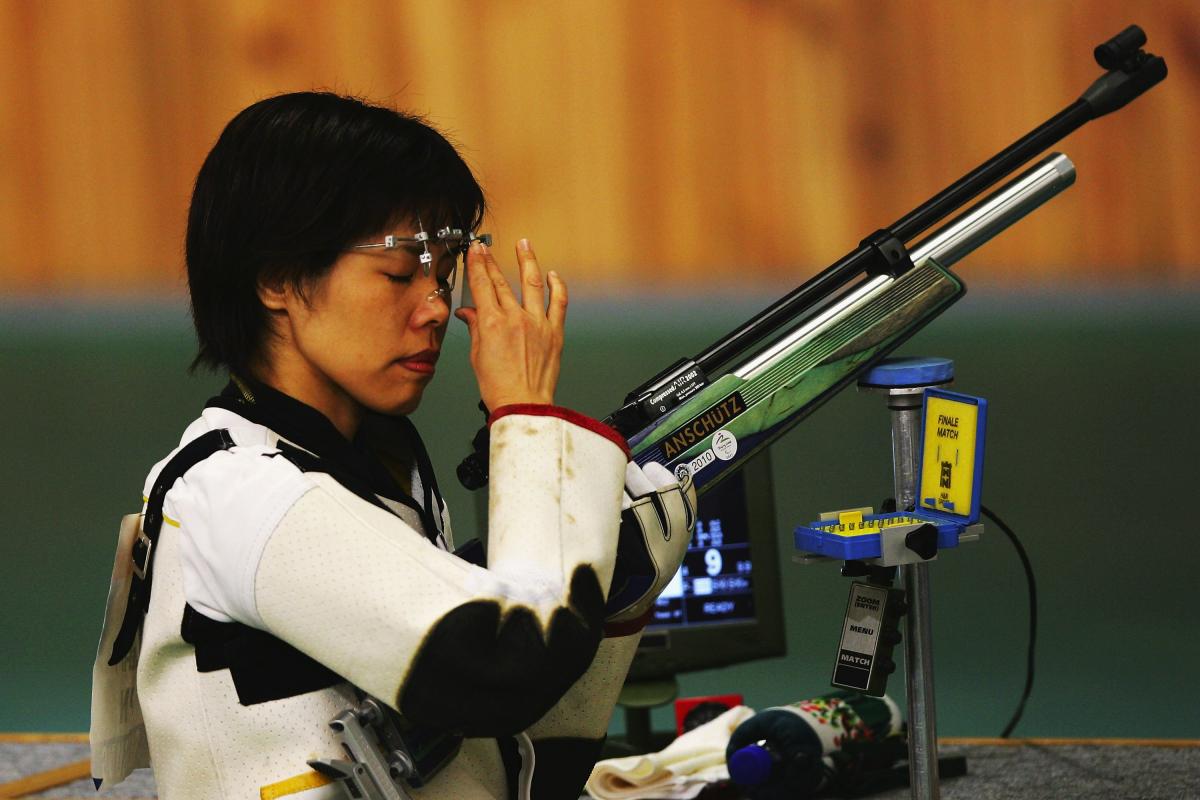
142,547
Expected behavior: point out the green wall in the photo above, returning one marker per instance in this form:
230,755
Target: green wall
1092,455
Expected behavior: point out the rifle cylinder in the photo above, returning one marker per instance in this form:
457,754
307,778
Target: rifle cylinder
1002,208
948,245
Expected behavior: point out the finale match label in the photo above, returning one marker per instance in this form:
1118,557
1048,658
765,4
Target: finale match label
948,460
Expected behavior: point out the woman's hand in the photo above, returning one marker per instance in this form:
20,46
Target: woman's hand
516,346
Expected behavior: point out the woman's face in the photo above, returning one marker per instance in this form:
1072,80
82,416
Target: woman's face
369,332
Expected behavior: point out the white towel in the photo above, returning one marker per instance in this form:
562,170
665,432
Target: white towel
679,771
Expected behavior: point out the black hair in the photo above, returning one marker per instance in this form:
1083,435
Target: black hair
294,180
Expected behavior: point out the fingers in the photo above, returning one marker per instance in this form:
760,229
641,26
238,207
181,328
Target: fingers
557,312
483,293
533,289
471,317
490,290
659,475
689,501
637,483
516,346
678,514
500,288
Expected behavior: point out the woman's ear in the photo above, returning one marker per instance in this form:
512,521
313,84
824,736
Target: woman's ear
274,295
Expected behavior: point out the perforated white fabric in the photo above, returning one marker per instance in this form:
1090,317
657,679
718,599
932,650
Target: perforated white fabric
575,492
357,588
250,492
203,743
585,709
339,572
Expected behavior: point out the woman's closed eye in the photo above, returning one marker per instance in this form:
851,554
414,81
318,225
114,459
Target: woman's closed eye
406,279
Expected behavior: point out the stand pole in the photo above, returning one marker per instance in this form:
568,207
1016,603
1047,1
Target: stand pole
905,405
918,655
903,381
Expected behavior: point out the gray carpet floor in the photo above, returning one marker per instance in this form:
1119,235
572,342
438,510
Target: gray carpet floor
1027,772
1071,772
19,760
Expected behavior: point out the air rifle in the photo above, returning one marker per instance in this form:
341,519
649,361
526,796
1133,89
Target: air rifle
712,412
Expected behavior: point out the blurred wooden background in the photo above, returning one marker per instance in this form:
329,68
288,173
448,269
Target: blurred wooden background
741,141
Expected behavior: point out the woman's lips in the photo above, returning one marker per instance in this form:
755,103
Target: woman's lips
423,362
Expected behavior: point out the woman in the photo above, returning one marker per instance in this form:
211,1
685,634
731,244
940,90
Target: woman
293,565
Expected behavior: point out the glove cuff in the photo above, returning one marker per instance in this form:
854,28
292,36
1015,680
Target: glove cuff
628,627
574,417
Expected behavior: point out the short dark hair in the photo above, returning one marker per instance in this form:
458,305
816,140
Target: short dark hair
292,181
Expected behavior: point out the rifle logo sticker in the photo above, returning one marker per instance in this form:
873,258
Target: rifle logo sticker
724,444
700,426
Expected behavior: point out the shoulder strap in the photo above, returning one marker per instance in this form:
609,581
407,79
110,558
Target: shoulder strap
188,456
433,503
307,462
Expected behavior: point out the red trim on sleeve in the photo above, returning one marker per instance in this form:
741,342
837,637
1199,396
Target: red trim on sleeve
615,629
574,417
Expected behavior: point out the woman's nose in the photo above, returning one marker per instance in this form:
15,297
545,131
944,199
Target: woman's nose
434,308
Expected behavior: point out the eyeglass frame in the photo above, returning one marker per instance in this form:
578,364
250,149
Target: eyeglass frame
444,235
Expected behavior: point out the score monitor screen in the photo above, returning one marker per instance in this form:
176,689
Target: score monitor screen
715,583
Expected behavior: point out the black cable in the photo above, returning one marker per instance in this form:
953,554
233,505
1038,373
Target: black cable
1016,717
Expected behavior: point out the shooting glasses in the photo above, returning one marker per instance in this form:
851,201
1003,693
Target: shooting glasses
456,241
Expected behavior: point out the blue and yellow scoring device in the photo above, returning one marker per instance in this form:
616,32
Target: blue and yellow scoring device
949,486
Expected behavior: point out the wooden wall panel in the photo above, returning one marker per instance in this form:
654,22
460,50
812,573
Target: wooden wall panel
712,140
